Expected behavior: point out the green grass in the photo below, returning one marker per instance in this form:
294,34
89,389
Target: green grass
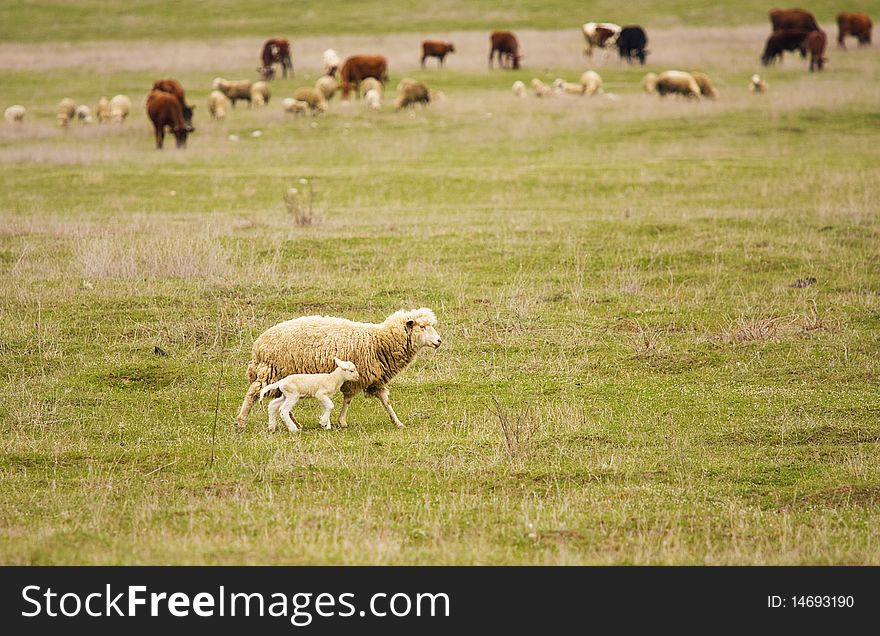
627,374
60,20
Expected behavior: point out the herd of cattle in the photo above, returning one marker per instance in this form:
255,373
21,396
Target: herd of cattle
167,108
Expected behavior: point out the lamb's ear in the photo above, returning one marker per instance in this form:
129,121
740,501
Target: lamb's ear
337,362
409,325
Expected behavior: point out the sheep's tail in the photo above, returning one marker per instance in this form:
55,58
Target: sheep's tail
266,389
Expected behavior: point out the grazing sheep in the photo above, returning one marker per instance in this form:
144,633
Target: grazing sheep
217,103
560,86
592,83
295,106
317,385
120,107
66,111
331,62
260,93
675,83
757,85
373,99
519,89
305,345
409,92
312,97
371,84
327,86
541,89
14,114
649,83
102,110
707,88
240,89
84,114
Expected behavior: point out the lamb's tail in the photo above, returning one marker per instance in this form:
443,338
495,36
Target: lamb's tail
266,389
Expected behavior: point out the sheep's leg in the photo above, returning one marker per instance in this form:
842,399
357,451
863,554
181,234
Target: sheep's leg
274,406
328,408
249,398
346,402
383,398
286,406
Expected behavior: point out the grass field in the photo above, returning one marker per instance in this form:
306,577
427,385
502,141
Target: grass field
629,374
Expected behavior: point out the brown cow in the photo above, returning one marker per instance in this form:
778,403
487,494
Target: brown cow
857,25
436,48
507,46
357,68
785,40
172,86
275,51
782,19
815,44
164,109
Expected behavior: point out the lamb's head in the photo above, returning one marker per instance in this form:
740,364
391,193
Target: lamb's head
419,325
349,371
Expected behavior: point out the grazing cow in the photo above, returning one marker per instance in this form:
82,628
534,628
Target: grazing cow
631,43
783,19
436,48
857,25
275,51
786,40
601,35
815,44
507,46
359,67
172,86
166,110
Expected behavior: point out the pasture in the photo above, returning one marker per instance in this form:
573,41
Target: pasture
637,368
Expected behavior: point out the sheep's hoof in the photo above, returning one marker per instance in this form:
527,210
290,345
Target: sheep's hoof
326,426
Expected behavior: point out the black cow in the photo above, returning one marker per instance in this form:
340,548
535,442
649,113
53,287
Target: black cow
631,43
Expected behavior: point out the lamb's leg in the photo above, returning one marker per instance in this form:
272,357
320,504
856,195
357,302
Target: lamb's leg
288,404
328,408
383,398
274,406
346,402
249,398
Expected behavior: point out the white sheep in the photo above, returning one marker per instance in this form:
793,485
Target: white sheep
707,88
373,99
14,114
519,89
411,91
371,84
260,93
120,107
239,89
66,111
305,345
84,114
317,385
327,86
674,83
757,85
217,103
541,89
592,82
295,106
312,97
102,110
560,86
331,62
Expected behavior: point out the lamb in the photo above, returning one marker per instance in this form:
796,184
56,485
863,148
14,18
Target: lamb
672,83
217,103
757,85
317,385
707,88
66,111
84,114
312,97
120,107
305,345
102,110
373,99
519,89
331,62
240,89
370,84
560,86
409,92
14,114
260,93
327,86
541,89
592,83
295,106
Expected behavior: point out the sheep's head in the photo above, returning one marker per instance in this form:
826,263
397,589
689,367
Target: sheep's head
349,371
218,82
419,325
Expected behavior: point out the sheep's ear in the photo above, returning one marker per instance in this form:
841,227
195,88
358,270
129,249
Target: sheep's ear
409,325
337,361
